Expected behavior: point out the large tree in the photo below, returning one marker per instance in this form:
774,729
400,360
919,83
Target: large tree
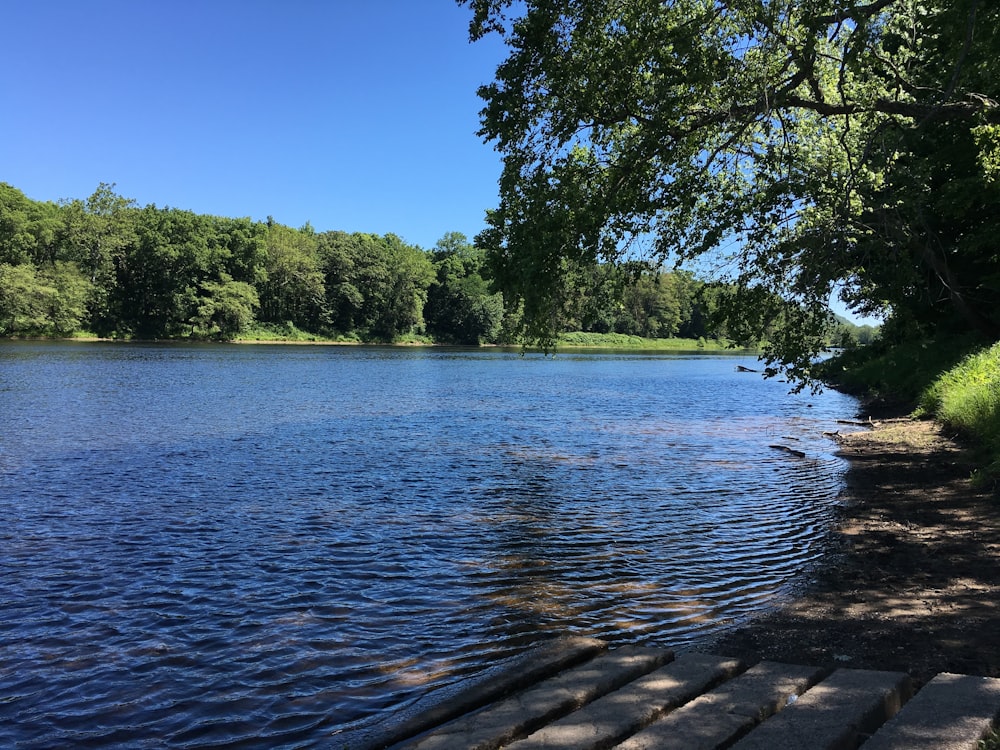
293,290
97,234
803,147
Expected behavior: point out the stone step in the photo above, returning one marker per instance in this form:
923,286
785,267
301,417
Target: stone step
502,680
527,711
563,697
835,714
951,712
731,710
620,714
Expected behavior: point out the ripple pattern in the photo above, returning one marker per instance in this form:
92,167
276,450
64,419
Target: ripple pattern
274,547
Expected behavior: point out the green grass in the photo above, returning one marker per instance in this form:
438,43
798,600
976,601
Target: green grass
954,380
582,340
286,332
81,334
289,333
413,339
967,398
898,372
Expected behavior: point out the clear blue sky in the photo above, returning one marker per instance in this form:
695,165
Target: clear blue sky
358,115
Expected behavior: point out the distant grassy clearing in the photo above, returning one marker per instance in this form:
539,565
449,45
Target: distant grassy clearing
625,341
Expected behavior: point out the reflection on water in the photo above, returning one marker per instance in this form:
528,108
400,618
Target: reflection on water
260,547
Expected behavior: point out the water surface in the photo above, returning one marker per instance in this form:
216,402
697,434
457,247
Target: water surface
242,546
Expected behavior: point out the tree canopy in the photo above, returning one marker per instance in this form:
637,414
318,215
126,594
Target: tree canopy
803,148
107,267
104,266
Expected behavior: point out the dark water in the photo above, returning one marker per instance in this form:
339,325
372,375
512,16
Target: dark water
268,546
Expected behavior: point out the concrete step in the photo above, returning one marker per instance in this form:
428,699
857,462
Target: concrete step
507,677
731,710
562,697
527,711
620,714
835,714
951,712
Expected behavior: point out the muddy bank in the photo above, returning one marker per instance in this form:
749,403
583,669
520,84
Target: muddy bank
913,581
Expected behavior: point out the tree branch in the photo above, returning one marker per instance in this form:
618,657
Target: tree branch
856,13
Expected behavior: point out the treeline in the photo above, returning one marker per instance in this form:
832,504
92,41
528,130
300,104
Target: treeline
105,266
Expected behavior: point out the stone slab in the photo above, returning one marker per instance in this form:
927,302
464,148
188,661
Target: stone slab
620,714
716,718
833,715
951,712
527,711
510,675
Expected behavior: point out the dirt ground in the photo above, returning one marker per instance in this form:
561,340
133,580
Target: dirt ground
913,582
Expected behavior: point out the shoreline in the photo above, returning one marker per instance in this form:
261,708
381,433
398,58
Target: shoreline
653,346
912,580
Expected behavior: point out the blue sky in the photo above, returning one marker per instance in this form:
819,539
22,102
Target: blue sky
358,115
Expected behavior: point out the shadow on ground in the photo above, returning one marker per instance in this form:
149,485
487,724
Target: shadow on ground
913,581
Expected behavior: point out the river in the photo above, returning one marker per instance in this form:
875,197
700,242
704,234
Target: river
266,546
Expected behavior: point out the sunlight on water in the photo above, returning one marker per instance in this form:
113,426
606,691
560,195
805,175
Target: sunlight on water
254,546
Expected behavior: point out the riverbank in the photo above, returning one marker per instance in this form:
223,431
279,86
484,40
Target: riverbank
913,581
566,342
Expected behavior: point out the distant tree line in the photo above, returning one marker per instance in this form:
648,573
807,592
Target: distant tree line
111,268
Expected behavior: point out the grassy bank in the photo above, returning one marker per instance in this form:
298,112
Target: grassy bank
898,372
580,340
288,333
955,381
966,398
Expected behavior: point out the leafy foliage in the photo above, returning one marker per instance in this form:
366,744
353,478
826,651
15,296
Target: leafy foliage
461,308
112,268
41,301
800,148
226,309
292,288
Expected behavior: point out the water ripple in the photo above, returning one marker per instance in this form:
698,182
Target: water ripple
238,547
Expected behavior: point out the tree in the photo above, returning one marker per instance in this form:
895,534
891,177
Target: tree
241,248
96,235
804,146
376,286
460,307
44,301
293,288
389,280
28,229
397,303
22,300
225,308
651,309
339,254
161,275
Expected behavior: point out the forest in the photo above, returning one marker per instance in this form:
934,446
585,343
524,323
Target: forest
104,266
